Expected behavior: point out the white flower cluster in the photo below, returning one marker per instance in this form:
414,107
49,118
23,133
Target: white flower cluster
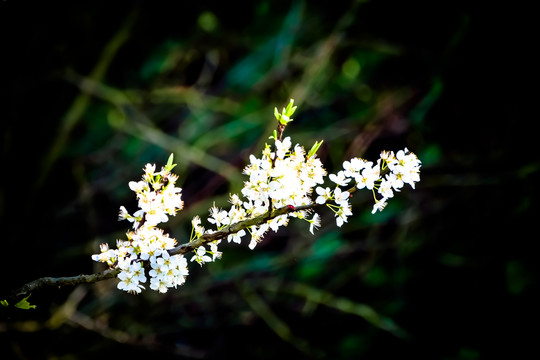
157,195
147,244
284,177
388,174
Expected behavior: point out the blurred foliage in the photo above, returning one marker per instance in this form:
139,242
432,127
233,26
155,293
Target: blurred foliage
95,91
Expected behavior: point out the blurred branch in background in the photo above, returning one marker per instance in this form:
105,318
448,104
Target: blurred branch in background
82,101
280,327
320,297
140,126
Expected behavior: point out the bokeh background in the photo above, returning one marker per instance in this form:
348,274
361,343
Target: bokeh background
94,91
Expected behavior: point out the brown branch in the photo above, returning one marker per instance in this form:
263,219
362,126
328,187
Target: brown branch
279,131
236,227
32,286
28,288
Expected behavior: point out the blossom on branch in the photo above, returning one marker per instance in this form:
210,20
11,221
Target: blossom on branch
280,185
158,197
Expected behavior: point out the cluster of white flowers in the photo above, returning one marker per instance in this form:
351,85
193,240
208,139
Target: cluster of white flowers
286,177
283,179
158,197
388,174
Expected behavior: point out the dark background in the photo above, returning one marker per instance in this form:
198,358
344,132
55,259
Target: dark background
94,91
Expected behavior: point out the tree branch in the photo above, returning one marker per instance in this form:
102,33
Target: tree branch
234,228
32,286
28,288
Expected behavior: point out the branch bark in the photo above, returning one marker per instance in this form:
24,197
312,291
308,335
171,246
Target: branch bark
234,228
37,284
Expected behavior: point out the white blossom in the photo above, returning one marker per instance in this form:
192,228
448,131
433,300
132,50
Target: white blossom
236,237
385,188
282,147
324,194
379,205
341,197
200,256
343,213
368,176
353,166
340,179
198,230
218,217
315,222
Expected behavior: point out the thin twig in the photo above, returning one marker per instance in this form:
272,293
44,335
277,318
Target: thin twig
32,286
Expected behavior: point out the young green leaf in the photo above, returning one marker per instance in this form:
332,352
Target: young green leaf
285,116
314,148
24,304
170,164
290,109
277,114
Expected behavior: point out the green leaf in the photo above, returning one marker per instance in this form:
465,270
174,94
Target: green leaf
293,110
170,164
274,135
314,148
285,116
24,304
290,109
4,303
277,114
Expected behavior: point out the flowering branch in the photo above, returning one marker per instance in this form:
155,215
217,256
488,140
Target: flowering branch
37,284
280,187
236,227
